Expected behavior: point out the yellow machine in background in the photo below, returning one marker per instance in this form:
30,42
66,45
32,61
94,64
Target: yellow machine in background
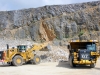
83,52
20,55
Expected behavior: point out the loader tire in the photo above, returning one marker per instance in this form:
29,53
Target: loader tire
17,60
36,60
92,65
71,62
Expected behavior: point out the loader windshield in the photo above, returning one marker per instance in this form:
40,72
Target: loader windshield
22,47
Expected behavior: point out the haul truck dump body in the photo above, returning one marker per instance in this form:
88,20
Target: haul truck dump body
83,52
18,56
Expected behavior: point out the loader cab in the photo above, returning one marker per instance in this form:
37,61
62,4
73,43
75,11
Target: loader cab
22,48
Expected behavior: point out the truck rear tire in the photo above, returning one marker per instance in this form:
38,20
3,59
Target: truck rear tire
92,65
71,62
17,60
36,59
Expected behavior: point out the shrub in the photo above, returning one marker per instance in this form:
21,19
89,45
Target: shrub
81,33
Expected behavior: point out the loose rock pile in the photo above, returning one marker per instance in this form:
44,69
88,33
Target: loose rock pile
56,54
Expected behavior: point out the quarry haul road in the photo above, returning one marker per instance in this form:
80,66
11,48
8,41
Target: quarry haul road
49,68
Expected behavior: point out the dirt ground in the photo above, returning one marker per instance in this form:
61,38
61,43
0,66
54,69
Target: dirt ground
49,68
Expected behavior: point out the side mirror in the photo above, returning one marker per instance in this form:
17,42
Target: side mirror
68,46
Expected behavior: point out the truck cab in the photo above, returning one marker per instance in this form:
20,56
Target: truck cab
83,52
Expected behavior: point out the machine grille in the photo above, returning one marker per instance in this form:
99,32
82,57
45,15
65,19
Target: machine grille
84,54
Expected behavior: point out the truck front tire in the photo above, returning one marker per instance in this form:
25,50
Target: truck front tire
71,62
92,65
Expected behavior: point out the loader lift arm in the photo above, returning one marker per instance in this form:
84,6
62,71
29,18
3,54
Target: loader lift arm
38,47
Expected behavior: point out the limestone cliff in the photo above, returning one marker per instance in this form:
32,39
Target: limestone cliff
48,22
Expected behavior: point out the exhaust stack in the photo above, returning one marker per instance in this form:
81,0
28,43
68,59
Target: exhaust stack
7,46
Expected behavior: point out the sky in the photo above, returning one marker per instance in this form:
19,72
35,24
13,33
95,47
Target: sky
7,5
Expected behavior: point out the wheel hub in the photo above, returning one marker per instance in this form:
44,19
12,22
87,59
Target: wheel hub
18,60
37,59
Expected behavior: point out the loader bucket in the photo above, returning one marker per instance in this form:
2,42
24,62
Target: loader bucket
47,48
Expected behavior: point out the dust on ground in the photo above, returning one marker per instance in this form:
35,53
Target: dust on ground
49,68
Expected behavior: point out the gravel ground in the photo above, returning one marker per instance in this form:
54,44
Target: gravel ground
49,68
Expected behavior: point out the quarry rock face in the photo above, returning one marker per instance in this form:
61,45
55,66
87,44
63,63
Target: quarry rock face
48,22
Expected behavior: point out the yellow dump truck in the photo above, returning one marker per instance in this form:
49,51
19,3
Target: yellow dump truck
83,52
20,55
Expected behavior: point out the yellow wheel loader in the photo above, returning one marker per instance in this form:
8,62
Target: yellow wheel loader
83,52
20,55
